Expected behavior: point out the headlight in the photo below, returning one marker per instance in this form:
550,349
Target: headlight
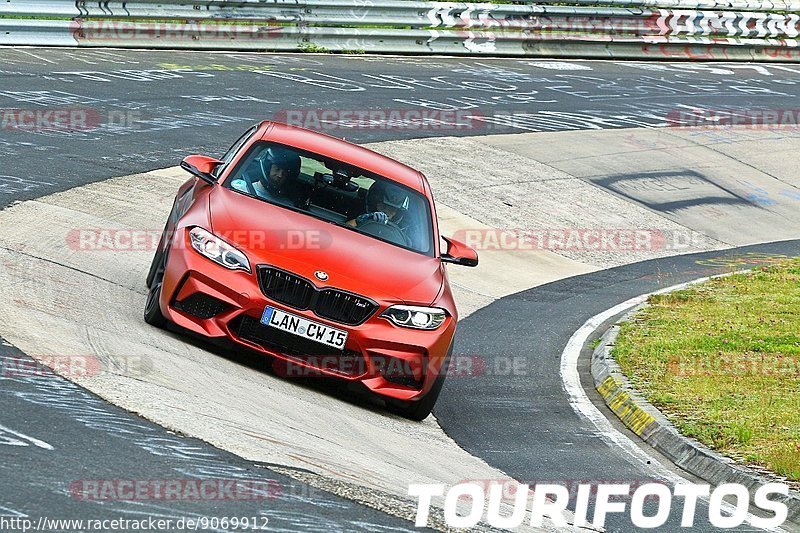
410,316
218,250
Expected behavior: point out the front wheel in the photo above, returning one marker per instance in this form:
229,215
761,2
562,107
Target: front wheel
152,309
420,409
158,260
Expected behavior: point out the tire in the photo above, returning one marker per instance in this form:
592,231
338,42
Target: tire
420,409
152,309
151,275
158,261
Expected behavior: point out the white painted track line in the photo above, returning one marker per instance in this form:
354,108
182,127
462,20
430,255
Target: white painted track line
584,407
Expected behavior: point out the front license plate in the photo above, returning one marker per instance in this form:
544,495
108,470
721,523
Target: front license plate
305,328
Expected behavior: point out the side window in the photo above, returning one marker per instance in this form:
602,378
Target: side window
363,182
233,150
311,166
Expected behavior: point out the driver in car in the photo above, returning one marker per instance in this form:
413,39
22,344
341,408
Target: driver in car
273,176
387,203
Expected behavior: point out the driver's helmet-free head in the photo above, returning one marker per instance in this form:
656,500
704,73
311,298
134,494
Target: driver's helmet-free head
282,159
388,194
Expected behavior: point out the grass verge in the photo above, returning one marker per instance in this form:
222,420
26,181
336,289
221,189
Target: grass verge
722,361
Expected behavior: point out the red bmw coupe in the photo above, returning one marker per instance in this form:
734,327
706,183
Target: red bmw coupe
319,253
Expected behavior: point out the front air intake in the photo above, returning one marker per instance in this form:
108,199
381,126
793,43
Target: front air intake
201,306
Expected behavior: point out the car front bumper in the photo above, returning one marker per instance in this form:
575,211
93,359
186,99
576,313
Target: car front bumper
210,300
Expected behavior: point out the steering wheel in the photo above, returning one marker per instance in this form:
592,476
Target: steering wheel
390,231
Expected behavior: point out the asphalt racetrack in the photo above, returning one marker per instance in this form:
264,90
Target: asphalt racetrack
154,107
148,109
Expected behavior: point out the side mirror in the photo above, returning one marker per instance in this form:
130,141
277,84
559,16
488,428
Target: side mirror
201,166
459,253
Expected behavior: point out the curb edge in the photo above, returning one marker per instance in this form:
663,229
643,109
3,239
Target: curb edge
649,424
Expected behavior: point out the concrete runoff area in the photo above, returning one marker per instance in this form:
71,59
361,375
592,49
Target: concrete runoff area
515,188
72,301
737,186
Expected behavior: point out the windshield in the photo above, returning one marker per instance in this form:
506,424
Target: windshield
336,192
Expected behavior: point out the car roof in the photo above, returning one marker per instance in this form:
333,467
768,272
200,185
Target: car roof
341,150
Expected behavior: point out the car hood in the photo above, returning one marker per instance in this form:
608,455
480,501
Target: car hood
303,245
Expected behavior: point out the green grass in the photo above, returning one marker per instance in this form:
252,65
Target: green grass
722,362
312,48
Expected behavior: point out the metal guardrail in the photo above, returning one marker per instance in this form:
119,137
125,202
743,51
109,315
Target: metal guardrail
697,29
